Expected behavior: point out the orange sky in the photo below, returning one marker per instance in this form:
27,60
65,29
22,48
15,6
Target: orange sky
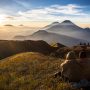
40,24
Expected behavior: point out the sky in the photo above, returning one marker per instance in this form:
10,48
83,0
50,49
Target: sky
38,13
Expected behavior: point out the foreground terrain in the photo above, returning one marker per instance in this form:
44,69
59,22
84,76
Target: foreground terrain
10,47
31,71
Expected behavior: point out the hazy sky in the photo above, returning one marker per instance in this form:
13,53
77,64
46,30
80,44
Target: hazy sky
43,12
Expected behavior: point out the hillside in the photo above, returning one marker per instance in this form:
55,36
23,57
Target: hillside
31,71
8,47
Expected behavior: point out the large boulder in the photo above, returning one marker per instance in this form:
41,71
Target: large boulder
86,69
70,68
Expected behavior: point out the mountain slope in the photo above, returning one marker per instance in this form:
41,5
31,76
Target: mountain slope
30,71
8,48
65,25
70,29
52,37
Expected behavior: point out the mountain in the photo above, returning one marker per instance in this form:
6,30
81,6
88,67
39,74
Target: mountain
51,25
65,25
8,48
52,38
70,29
87,29
66,33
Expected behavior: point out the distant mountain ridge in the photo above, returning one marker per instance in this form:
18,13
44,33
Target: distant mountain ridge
63,24
66,33
70,29
52,37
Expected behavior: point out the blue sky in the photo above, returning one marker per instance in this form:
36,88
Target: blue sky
44,10
27,4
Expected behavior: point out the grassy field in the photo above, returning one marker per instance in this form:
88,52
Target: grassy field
31,71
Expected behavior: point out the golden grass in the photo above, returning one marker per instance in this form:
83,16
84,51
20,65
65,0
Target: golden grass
31,71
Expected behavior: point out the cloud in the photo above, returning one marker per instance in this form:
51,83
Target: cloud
52,12
22,3
10,17
69,9
8,25
2,17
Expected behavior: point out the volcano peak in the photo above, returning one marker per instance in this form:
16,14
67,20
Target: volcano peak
67,21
